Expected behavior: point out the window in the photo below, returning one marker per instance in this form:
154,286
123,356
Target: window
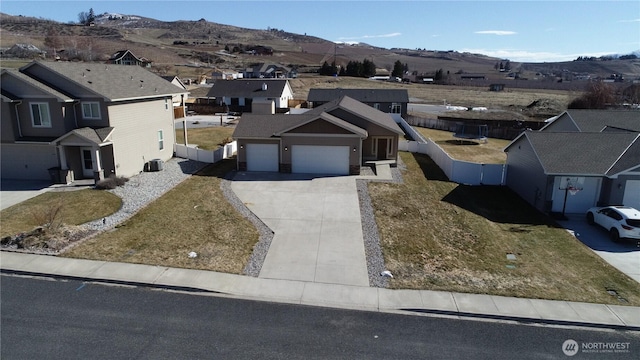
396,108
91,110
166,104
376,106
40,115
160,140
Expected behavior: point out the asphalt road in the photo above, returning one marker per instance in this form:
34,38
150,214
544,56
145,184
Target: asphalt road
60,319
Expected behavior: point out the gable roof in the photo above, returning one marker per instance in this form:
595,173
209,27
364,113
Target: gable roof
600,120
31,82
362,95
267,126
110,81
120,54
95,136
593,153
364,111
248,88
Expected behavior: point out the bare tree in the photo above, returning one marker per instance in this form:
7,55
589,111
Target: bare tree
597,95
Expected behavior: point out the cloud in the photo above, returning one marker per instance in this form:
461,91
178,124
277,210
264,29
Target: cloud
532,56
370,36
629,21
496,32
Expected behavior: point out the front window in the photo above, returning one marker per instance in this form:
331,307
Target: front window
160,140
396,108
40,116
376,106
91,110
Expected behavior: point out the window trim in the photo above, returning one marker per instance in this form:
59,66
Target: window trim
33,120
160,139
92,117
395,106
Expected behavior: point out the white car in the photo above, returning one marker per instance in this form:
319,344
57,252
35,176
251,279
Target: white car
619,221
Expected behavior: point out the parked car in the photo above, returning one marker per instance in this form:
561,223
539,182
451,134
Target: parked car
619,221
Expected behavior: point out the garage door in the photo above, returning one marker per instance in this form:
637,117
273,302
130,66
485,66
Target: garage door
27,161
632,194
314,159
262,157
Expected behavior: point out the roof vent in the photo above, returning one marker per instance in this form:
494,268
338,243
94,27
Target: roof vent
131,77
264,86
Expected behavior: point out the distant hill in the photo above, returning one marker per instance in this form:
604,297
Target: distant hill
199,44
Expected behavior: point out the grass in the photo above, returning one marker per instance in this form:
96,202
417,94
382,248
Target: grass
78,207
193,216
208,138
439,235
474,151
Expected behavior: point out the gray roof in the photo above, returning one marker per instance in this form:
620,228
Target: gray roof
110,81
248,88
95,136
34,83
598,120
363,95
585,153
267,126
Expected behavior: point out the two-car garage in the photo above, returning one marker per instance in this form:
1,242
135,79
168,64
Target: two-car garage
305,159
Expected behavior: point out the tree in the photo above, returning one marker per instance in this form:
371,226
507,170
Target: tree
53,41
398,69
86,18
597,96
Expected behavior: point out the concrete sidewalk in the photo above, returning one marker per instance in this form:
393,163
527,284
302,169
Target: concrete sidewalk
457,305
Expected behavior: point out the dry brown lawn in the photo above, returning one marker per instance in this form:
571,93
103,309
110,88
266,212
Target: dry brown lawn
439,235
193,216
490,152
77,207
209,138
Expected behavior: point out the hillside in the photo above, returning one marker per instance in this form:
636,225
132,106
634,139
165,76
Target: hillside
198,43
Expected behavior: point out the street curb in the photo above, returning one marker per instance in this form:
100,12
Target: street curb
407,311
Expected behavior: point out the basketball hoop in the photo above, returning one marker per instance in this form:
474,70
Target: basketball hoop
573,190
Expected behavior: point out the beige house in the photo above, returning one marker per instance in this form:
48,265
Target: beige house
335,138
84,120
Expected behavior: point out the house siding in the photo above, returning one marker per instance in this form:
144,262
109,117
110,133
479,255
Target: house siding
135,131
8,129
58,125
526,176
562,124
615,193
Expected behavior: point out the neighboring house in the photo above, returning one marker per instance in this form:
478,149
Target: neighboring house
239,95
88,120
126,57
270,71
226,75
335,138
179,100
393,101
597,152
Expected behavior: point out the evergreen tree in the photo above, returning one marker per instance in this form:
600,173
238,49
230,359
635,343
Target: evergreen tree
398,69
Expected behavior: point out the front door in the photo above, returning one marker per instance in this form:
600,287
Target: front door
382,149
87,162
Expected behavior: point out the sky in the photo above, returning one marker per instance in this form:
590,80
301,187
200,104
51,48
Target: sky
522,31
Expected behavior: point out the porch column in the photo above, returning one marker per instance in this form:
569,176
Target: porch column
63,158
98,172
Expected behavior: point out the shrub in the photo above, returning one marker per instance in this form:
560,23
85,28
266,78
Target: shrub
111,182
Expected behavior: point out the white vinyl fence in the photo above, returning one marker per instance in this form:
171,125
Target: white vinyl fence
462,172
206,156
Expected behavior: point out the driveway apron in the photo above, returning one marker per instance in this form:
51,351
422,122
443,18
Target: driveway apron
316,225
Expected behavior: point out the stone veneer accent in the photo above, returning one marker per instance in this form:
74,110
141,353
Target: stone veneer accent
242,166
354,169
285,168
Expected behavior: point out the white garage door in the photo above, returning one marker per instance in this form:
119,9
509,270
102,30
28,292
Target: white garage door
581,201
632,194
314,159
262,157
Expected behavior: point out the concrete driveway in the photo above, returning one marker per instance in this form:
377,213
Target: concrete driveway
16,191
625,255
316,225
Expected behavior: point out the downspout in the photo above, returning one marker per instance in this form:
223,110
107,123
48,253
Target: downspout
75,113
18,103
